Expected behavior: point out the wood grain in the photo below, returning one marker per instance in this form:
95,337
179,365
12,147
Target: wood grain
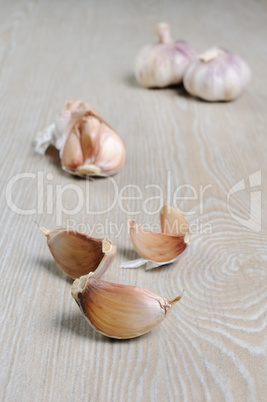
212,347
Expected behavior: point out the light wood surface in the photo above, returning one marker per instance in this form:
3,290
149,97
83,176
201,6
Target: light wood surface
212,347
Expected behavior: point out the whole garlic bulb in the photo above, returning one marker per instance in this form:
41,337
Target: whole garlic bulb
163,63
217,75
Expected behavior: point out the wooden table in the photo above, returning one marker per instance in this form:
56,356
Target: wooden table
212,347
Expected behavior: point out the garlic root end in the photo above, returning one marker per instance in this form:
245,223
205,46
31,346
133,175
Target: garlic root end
78,286
177,298
187,239
88,170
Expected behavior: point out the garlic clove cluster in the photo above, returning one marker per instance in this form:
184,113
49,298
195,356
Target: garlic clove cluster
159,248
119,311
162,64
78,254
217,75
87,144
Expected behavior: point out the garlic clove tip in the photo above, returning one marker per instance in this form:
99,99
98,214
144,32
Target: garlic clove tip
45,231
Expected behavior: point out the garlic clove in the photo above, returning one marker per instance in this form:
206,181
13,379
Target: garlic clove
217,75
111,155
158,247
68,118
76,253
87,144
89,137
107,149
162,64
119,311
72,154
172,221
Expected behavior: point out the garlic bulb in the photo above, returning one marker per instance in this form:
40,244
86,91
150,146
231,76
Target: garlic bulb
217,75
159,248
163,63
119,311
87,145
78,254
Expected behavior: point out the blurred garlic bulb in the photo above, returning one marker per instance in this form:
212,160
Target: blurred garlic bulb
78,254
163,63
87,144
217,75
159,248
119,311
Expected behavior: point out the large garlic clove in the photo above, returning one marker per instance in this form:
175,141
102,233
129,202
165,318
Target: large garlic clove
111,154
158,247
217,75
119,311
87,144
107,148
76,253
163,63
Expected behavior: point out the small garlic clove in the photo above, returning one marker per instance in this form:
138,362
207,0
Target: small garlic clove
72,154
90,137
87,144
162,64
76,253
172,221
119,311
68,118
65,121
217,75
158,247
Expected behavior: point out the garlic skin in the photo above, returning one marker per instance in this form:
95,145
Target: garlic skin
87,144
78,254
162,64
119,311
217,75
159,248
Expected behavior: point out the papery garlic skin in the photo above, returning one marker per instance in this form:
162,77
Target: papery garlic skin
87,144
119,311
217,75
162,64
76,253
